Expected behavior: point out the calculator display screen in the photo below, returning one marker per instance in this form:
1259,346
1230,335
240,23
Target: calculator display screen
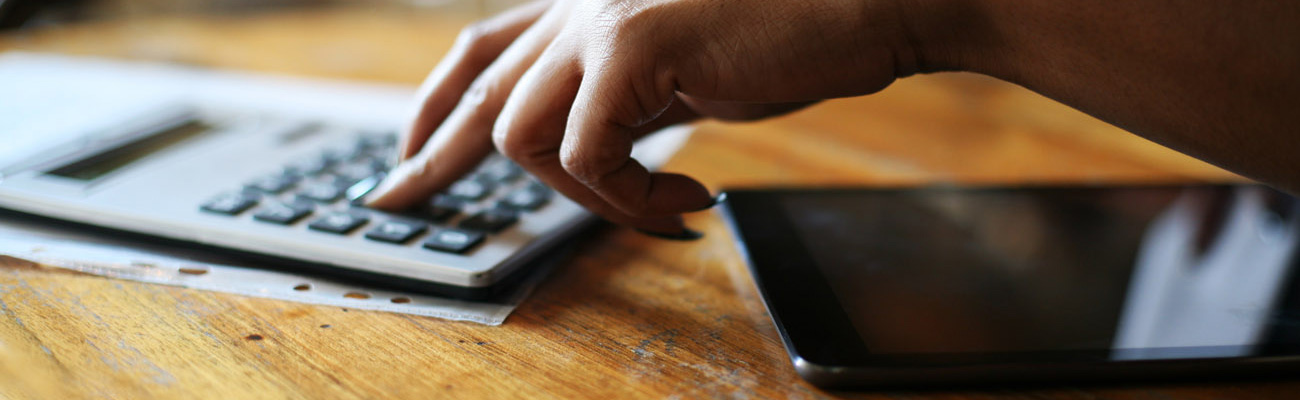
105,162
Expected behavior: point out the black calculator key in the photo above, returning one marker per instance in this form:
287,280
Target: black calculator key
396,231
274,183
282,213
324,192
470,189
527,198
230,203
501,170
453,240
492,220
338,222
442,207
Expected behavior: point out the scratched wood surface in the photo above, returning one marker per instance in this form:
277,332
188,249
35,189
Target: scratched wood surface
627,317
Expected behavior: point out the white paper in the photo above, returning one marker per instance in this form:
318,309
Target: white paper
68,249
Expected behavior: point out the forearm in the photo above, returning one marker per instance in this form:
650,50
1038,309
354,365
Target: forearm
1217,80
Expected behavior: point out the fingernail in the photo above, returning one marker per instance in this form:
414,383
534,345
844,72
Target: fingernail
712,202
686,235
359,192
385,185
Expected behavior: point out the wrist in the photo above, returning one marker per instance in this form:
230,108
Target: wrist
953,35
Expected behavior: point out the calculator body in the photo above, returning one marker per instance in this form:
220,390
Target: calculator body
173,165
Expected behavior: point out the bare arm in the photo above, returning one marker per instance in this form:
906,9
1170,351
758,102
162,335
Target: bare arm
1219,80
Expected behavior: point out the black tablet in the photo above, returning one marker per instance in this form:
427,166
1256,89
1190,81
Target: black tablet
948,285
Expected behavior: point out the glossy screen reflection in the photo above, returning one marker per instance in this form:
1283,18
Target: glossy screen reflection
1141,272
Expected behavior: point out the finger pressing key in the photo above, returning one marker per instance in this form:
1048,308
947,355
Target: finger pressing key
464,138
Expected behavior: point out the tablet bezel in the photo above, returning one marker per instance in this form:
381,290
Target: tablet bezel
826,349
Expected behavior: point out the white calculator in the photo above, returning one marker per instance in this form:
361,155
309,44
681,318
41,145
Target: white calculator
265,166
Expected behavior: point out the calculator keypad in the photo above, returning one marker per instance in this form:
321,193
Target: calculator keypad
331,184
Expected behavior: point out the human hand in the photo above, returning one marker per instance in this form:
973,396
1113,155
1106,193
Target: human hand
565,87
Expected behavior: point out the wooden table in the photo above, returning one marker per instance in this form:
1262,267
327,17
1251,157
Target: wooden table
628,316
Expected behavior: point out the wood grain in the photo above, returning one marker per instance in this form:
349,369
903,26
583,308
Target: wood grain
627,317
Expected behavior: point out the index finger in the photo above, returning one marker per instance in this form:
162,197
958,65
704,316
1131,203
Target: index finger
475,49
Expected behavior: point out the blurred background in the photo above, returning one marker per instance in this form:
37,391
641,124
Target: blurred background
335,38
19,13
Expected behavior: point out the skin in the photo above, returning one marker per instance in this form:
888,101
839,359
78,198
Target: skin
563,87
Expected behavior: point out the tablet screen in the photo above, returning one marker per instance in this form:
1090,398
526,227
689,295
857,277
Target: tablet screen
1132,273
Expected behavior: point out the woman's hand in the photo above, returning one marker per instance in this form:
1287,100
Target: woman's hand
564,87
